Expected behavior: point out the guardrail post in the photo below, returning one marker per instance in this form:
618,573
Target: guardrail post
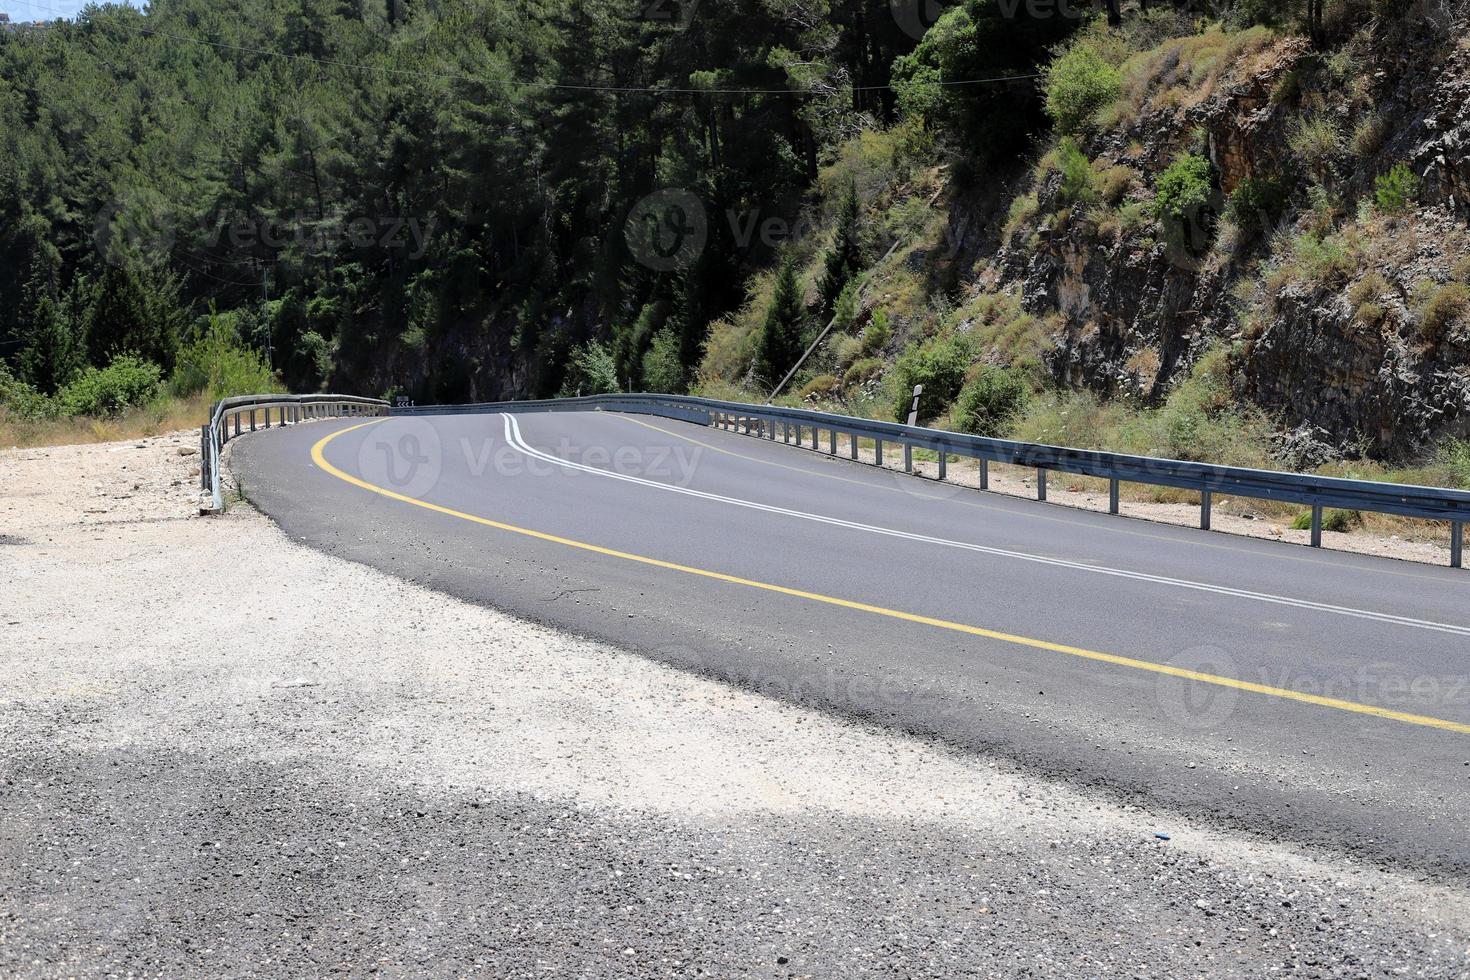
1113,495
1316,525
1204,510
943,460
908,458
816,432
252,420
878,451
832,442
1456,539
237,424
204,457
984,474
1040,483
852,446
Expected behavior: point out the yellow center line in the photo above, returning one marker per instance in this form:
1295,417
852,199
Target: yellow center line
318,456
965,501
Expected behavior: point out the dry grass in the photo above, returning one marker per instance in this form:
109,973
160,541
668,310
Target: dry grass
1184,72
165,415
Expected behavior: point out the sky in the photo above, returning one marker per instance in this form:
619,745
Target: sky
24,11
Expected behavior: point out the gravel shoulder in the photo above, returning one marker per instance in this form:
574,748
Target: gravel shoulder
227,754
1428,544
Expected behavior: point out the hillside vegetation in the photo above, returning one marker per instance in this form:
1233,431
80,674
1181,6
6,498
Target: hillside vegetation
1238,242
1228,232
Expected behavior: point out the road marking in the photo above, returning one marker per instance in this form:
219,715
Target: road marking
514,437
319,458
1110,527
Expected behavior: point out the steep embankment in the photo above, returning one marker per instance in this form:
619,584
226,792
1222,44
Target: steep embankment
1297,211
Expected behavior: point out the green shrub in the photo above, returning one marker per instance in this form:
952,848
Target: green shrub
877,333
1183,189
1200,421
1453,455
218,363
1323,258
662,371
846,308
1257,203
846,349
23,401
592,371
939,365
992,401
1316,141
1441,306
1393,191
864,370
1023,208
1079,84
1369,135
1341,521
1365,296
125,383
820,387
1114,183
1076,172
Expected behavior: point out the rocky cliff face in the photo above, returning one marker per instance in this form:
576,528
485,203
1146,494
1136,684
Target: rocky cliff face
1339,320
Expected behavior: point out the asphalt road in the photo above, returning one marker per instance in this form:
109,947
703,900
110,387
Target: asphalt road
1320,698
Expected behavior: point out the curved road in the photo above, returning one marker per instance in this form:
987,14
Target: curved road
1317,697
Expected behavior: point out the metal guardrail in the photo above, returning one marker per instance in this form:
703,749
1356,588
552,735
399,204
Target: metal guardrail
771,422
289,409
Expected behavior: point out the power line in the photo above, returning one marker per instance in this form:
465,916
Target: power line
559,86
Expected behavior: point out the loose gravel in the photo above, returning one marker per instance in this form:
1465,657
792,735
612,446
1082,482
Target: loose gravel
227,754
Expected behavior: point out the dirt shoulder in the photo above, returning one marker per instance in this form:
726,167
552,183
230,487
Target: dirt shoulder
225,753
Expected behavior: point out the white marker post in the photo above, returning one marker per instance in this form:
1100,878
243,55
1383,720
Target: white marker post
908,450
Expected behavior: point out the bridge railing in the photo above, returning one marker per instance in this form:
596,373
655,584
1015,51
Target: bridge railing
804,427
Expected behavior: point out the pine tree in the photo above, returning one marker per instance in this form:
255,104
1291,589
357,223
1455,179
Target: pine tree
134,313
786,321
48,357
844,261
